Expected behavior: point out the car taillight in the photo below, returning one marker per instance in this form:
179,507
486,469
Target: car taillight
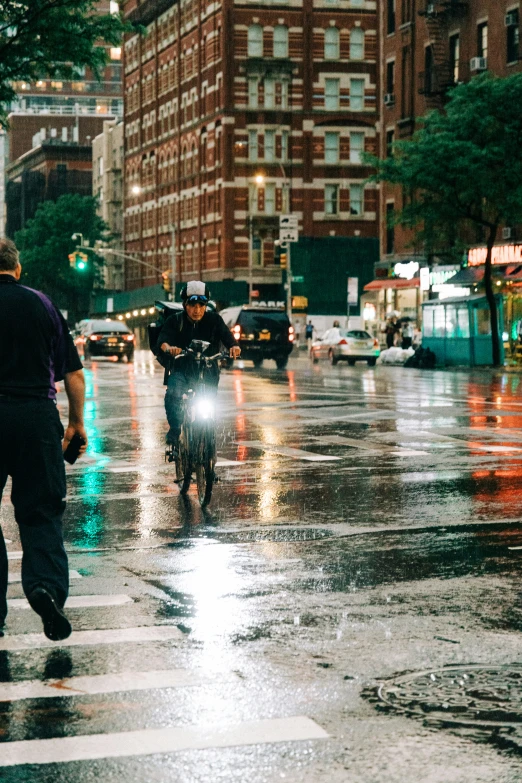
375,343
129,337
291,330
291,337
343,342
94,337
236,331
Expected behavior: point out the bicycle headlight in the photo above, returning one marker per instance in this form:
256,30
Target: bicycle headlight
205,408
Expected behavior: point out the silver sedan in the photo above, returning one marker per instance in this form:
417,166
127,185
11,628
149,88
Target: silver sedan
351,345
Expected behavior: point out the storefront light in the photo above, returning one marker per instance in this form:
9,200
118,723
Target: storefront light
135,312
151,310
127,315
143,312
120,318
369,312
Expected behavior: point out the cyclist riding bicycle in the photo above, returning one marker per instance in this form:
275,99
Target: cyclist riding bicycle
178,331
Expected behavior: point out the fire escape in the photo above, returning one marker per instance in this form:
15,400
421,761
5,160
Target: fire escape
439,73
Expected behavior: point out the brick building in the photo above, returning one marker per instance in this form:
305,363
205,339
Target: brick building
427,47
238,112
107,186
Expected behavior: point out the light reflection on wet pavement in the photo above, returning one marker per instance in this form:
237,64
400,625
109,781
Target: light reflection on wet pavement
366,522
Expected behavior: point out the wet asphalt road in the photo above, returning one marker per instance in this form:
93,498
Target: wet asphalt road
366,524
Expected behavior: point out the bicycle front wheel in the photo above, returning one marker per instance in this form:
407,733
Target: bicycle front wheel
184,464
205,482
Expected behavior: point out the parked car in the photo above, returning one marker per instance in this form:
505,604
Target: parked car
105,338
351,345
262,332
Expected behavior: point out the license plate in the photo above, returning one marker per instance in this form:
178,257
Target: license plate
359,345
112,339
264,335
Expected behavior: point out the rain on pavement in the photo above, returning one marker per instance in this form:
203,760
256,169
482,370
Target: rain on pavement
366,524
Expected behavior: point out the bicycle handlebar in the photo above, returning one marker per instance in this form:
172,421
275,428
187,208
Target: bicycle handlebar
189,351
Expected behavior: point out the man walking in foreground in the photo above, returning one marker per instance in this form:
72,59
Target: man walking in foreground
36,350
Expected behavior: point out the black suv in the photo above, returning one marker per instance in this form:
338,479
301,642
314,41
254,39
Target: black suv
262,333
105,338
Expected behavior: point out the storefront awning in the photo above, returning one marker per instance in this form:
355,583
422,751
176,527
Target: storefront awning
392,282
470,275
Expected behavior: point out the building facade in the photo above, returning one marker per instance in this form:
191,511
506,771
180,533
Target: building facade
237,112
107,186
428,46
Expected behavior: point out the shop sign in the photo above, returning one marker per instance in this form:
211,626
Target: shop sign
425,279
501,254
439,275
406,271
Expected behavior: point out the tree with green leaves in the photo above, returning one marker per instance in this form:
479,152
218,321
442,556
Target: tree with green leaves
46,243
52,39
462,172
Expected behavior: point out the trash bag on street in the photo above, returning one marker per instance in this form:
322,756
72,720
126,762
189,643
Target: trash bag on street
396,355
423,358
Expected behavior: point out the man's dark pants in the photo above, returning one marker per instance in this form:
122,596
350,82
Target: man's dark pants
31,453
178,384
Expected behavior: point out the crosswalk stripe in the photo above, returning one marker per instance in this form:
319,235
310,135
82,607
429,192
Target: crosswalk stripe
15,578
149,741
340,440
286,451
144,633
108,683
77,601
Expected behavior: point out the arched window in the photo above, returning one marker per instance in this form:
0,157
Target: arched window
357,44
255,40
194,159
280,41
331,43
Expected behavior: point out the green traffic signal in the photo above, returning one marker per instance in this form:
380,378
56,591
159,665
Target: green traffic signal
78,261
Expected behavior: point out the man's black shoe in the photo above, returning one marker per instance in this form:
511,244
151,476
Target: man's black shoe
2,631
55,623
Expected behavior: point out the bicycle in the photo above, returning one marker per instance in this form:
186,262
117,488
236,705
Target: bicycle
197,441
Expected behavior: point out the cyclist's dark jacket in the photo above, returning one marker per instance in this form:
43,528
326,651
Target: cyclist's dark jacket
178,330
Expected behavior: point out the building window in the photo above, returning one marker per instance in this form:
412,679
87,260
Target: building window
280,41
390,22
269,146
331,43
390,229
252,94
454,47
356,199
284,95
482,39
356,94
407,11
356,147
270,198
331,199
331,94
284,146
390,77
331,147
429,71
269,85
252,146
357,44
255,40
390,136
513,36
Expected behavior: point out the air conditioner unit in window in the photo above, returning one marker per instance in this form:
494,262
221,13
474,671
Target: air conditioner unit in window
389,99
507,233
430,9
511,19
478,63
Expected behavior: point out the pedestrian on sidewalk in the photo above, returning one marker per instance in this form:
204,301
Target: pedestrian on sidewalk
309,334
36,350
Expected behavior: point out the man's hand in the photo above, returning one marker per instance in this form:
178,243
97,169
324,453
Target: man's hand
75,429
235,352
172,349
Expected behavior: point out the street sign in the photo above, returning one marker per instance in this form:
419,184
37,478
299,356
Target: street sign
353,290
297,279
288,221
288,235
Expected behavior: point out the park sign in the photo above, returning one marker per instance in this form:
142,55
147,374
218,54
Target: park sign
500,254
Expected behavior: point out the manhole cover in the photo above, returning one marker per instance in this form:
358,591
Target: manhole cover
464,695
273,535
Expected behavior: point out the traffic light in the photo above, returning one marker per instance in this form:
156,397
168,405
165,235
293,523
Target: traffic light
282,260
78,261
166,281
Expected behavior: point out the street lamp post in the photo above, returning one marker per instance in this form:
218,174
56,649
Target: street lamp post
259,180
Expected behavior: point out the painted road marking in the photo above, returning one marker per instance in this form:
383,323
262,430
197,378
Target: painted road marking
77,601
148,741
286,451
15,578
108,683
144,633
340,440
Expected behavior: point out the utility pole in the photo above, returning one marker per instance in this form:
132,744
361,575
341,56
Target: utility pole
289,281
250,259
173,263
